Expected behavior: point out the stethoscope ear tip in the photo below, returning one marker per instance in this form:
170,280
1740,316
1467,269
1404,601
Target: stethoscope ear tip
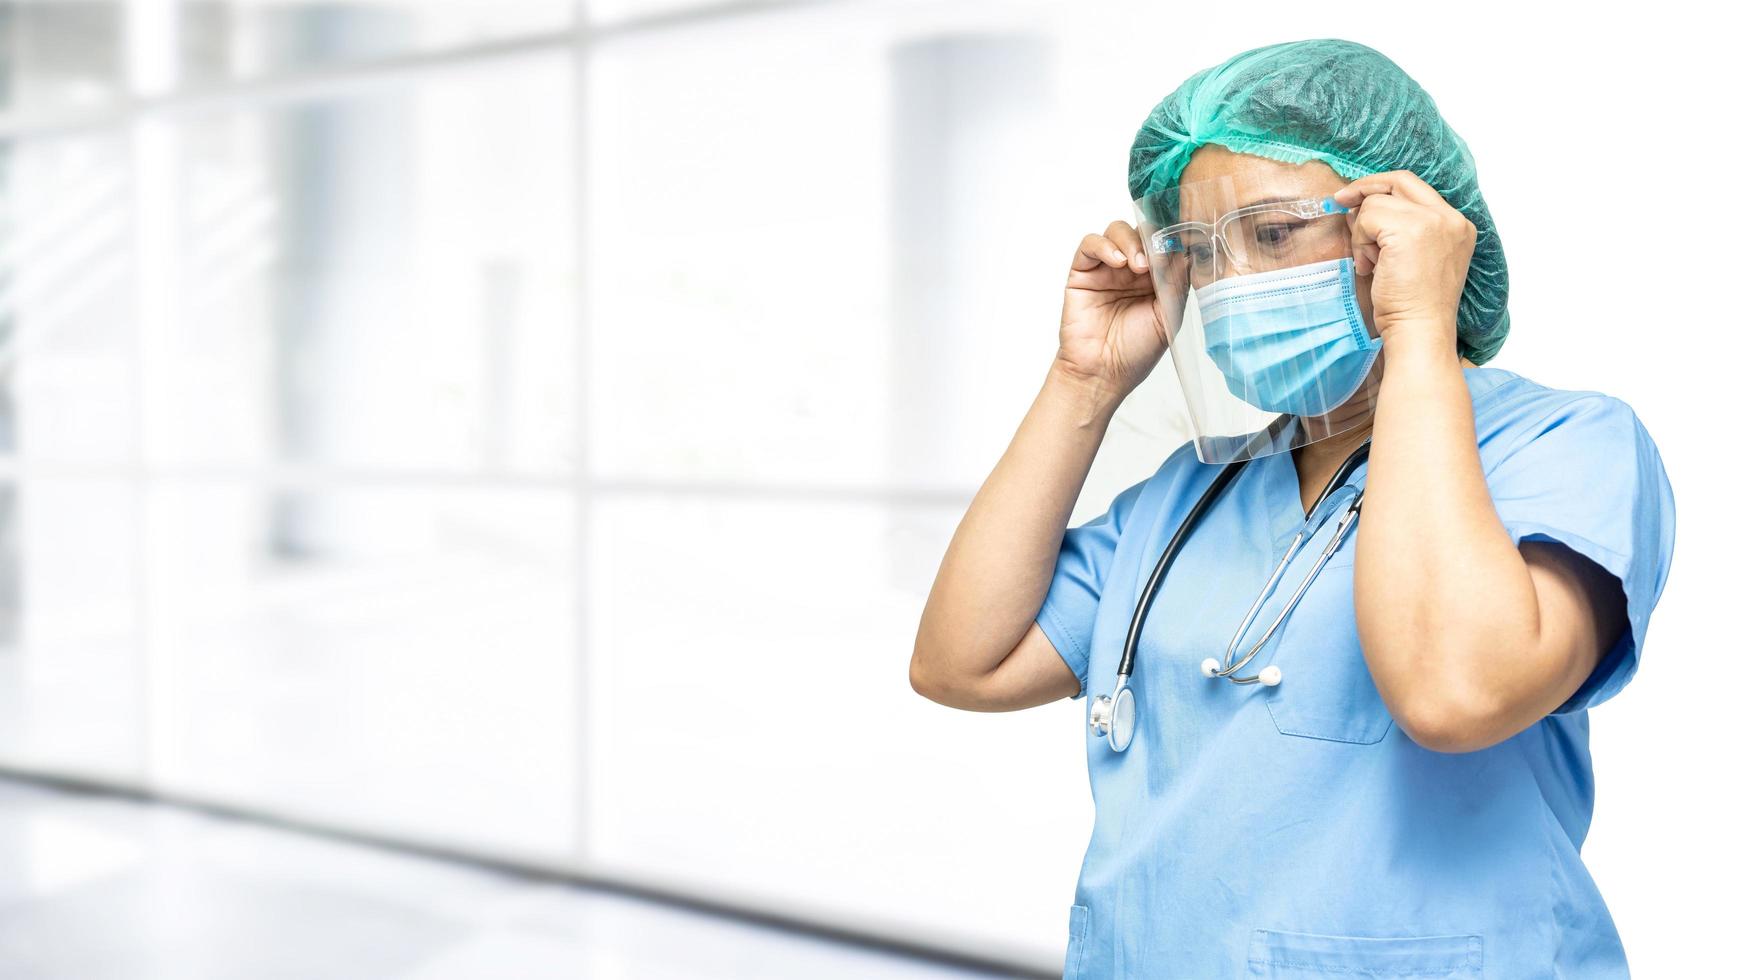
1210,666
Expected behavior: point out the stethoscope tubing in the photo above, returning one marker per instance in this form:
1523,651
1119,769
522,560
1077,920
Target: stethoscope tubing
1162,564
1288,607
1129,658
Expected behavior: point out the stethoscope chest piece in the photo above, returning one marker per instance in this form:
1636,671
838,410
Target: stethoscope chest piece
1115,717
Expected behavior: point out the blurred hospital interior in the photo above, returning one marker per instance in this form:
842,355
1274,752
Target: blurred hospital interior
470,472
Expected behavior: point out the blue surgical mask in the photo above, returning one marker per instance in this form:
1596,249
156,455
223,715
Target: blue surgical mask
1289,340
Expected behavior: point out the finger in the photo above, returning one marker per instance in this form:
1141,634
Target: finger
1099,250
1361,245
1090,253
1381,213
1364,228
1399,183
1381,210
1126,239
1366,257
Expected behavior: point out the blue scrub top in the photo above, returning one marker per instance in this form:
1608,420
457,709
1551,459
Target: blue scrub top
1296,831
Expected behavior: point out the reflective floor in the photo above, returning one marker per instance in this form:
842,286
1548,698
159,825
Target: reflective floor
95,887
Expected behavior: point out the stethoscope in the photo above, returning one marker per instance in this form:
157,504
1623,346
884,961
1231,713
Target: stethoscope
1115,716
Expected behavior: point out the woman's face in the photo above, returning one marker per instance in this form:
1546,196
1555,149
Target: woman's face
1253,178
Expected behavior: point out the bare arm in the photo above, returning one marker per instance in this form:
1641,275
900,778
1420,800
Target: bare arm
1470,639
978,646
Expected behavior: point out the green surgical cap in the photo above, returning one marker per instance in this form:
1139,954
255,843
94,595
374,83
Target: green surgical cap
1351,107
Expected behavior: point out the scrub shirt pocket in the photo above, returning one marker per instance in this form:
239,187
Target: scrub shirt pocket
1326,690
1328,698
1079,939
1277,955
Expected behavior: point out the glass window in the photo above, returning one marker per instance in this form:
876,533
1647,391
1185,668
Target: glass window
60,57
823,265
72,681
751,730
383,279
67,377
223,41
398,659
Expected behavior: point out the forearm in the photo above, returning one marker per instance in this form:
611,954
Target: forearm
999,564
1444,602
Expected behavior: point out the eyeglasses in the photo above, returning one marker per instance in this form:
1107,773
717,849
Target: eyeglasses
1257,238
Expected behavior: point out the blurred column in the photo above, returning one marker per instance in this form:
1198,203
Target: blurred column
51,56
344,170
953,99
10,572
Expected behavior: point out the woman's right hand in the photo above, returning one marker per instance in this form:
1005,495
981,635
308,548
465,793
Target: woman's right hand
1110,334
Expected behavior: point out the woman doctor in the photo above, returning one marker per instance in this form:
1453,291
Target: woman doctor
1405,790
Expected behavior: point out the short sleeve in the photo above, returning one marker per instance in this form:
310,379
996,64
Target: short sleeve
1587,475
1067,615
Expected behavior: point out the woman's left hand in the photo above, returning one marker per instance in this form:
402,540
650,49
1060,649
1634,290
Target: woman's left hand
1416,247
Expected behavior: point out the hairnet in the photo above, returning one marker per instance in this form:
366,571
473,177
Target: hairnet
1351,107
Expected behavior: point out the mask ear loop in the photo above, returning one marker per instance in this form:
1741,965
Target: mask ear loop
1368,345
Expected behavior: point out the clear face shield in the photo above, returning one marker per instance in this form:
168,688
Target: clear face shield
1255,288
